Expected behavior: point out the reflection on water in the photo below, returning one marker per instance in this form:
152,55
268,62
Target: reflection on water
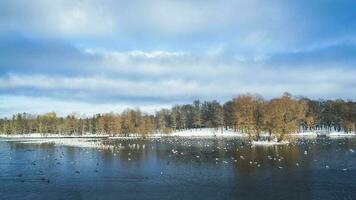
177,168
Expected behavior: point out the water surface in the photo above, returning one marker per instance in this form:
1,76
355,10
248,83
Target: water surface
178,168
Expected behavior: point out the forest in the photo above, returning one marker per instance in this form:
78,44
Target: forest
247,113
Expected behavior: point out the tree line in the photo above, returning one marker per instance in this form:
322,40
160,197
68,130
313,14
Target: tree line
250,114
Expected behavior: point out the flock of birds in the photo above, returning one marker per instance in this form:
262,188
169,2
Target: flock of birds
216,151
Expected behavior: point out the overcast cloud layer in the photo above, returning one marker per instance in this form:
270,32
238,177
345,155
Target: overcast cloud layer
101,56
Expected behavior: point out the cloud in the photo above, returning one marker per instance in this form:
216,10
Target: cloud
102,76
61,17
103,88
270,26
339,53
10,104
85,54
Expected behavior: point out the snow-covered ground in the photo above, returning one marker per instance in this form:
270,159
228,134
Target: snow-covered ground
75,142
341,134
269,143
204,132
38,135
207,132
305,134
123,137
136,137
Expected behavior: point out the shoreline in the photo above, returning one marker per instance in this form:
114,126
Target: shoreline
191,133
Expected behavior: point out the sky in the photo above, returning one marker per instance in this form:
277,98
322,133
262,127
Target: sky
98,56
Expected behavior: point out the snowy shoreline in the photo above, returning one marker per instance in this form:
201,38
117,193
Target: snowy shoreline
268,143
193,133
71,142
183,133
305,134
97,141
341,134
207,133
38,135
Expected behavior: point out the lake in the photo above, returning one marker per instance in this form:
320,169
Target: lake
178,168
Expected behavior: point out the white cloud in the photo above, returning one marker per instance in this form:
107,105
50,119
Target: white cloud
200,49
252,27
180,77
244,19
56,18
102,85
10,104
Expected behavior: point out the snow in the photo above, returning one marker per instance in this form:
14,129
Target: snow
265,134
269,143
203,132
74,142
314,134
341,134
39,135
305,134
207,132
124,137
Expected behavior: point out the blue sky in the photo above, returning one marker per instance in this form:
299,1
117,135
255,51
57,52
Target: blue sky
101,56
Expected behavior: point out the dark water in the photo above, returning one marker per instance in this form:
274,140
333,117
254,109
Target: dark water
175,168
